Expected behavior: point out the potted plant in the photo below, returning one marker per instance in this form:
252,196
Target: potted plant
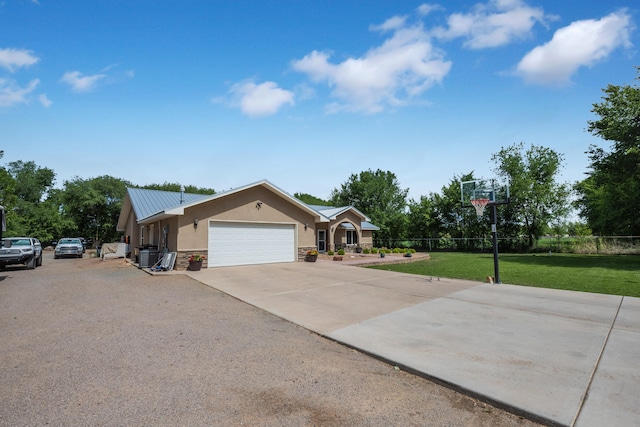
312,256
195,262
358,249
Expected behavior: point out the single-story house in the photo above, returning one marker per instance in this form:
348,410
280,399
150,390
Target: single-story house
255,224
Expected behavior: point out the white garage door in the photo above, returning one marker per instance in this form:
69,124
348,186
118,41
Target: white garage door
233,243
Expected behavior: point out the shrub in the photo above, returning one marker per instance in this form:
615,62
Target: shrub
330,253
341,252
366,251
374,250
396,250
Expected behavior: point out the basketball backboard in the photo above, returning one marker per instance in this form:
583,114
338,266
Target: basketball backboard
490,189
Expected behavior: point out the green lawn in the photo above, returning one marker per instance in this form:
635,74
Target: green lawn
606,274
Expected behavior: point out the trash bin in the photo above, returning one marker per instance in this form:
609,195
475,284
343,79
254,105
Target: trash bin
148,257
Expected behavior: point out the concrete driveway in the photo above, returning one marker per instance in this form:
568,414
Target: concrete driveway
560,357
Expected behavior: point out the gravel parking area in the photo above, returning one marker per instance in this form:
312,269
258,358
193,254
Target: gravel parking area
90,342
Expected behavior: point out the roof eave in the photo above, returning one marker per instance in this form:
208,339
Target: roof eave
124,213
179,210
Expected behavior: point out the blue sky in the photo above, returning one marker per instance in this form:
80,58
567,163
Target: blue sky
304,93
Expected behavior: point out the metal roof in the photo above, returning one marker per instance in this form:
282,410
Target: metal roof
146,203
364,224
333,212
151,203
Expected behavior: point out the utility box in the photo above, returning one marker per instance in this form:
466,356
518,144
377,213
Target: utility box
148,257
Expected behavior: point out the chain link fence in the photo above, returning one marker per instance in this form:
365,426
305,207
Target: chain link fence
624,245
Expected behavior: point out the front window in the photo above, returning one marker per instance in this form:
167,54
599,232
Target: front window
352,237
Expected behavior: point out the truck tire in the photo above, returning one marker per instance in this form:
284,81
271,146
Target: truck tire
31,264
39,261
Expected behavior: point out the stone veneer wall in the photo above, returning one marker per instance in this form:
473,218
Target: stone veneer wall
182,259
302,251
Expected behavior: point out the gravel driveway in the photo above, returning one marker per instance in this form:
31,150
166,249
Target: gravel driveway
90,342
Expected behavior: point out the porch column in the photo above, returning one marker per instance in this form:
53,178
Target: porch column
330,245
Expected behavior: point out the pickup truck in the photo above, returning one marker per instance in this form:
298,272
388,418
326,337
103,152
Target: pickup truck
20,250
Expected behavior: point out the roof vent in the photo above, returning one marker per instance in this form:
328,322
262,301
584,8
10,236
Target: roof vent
181,194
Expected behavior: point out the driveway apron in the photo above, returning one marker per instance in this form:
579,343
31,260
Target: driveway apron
562,357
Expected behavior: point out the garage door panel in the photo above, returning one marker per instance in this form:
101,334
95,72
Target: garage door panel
250,243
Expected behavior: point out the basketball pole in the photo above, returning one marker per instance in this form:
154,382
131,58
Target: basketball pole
494,235
3,225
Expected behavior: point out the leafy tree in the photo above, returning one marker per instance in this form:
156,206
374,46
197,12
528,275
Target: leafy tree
421,221
94,205
608,197
452,219
537,200
378,195
32,182
311,200
174,186
32,212
8,199
50,223
578,229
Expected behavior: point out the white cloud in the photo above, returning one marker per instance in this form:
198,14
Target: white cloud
80,82
256,100
12,59
426,8
46,102
390,24
303,91
582,43
492,24
403,67
11,93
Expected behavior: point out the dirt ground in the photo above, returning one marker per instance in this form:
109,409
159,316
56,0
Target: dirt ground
90,342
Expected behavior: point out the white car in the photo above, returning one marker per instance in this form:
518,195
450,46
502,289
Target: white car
20,250
68,247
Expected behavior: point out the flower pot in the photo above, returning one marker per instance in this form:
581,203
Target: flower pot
311,258
195,265
382,254
358,250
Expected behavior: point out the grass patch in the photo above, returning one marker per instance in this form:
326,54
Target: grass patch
605,274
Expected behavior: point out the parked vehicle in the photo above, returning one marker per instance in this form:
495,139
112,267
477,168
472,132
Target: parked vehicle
20,250
69,246
84,243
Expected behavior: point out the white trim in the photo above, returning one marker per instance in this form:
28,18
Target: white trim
322,230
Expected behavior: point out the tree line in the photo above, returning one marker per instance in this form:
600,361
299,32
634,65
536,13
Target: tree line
86,208
606,200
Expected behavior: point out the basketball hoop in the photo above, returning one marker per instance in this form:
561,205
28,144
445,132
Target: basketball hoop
479,204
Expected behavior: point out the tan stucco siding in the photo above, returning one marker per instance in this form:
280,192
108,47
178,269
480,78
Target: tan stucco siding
348,216
367,239
172,240
243,207
131,229
338,235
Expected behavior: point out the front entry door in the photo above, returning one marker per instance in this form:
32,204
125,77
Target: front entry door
322,240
